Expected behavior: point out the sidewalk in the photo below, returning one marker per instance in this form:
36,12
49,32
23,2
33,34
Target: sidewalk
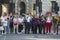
29,37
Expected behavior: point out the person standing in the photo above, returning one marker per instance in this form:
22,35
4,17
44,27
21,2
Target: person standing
56,22
11,23
36,23
15,23
27,23
4,21
42,24
20,26
8,24
48,23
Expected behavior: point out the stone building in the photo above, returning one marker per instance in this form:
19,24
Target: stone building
26,6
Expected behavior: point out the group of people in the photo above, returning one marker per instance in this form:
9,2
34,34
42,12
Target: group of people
28,23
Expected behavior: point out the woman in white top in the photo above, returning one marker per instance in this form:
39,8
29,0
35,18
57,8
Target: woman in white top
21,20
4,21
48,23
15,23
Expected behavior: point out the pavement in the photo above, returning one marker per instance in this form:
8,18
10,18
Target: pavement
30,36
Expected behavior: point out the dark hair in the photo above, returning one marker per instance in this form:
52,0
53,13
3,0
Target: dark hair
5,14
42,15
7,18
16,13
56,12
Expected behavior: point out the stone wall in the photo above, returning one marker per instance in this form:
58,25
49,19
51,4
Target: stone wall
46,5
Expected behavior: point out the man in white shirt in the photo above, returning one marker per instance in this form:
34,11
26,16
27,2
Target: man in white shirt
20,20
27,24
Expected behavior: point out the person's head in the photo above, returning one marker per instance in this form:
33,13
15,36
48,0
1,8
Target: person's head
56,14
30,15
15,15
8,18
43,16
23,15
4,14
49,14
36,16
20,16
27,14
10,14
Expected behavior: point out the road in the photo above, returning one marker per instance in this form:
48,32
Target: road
30,36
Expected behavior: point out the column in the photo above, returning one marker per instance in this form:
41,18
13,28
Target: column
45,6
16,6
27,6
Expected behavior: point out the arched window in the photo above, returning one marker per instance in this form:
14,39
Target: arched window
22,7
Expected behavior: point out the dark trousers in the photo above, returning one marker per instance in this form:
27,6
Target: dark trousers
20,27
35,29
57,30
41,27
32,28
11,27
27,28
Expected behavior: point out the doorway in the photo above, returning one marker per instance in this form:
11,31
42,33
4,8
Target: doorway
22,8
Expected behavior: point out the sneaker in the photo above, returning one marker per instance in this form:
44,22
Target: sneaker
54,33
47,33
5,33
2,33
19,33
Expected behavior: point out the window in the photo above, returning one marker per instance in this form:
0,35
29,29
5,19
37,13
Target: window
54,6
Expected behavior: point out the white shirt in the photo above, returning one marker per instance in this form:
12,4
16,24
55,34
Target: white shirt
28,19
15,20
26,16
3,18
49,19
5,23
20,20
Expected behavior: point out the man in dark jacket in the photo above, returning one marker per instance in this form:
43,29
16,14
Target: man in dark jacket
36,22
42,25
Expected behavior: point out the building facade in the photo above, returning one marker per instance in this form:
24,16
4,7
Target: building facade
26,6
